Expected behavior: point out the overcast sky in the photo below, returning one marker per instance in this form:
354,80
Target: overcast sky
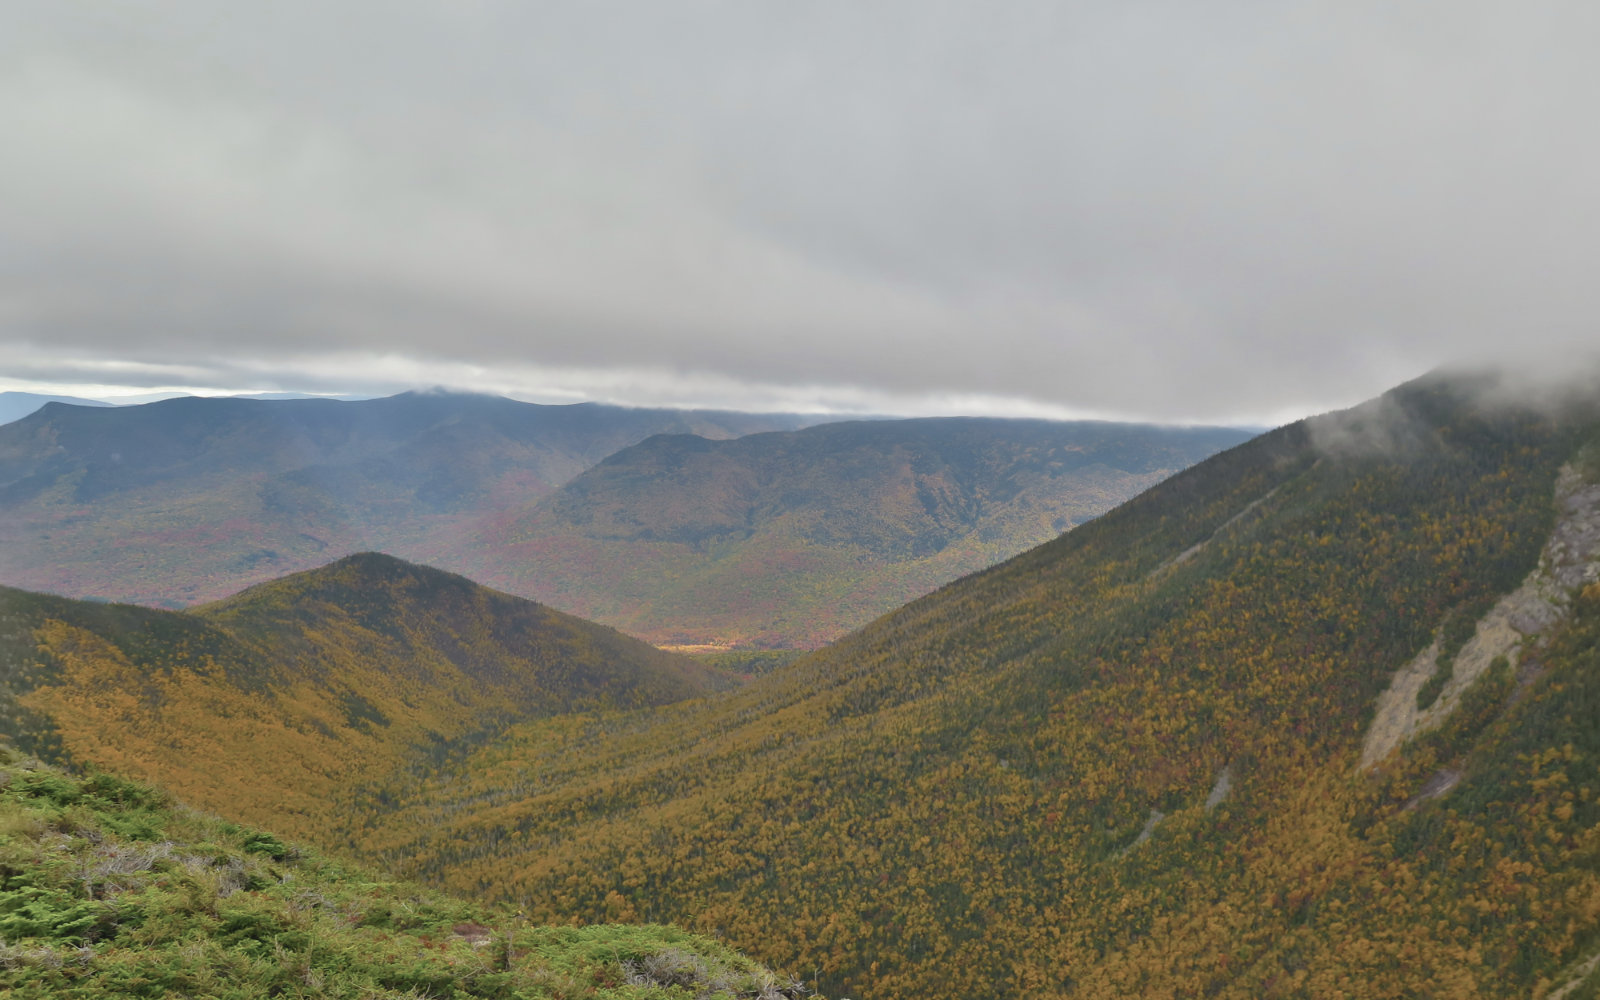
1202,211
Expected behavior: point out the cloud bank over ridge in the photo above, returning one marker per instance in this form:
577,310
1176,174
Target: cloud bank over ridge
1147,210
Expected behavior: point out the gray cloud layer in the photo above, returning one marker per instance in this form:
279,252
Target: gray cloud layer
1161,209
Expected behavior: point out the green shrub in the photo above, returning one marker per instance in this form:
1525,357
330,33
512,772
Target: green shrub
90,907
265,843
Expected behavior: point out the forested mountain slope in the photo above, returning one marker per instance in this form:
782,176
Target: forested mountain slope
188,500
1129,762
270,705
793,538
111,889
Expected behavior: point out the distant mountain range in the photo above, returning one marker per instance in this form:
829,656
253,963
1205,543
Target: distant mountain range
16,405
794,538
656,521
186,500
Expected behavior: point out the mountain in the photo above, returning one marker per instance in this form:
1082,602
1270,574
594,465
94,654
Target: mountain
793,538
683,526
295,395
272,704
187,500
16,405
1319,716
111,889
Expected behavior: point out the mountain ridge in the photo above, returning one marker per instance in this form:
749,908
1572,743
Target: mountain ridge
15,405
786,540
338,675
96,503
1097,769
793,538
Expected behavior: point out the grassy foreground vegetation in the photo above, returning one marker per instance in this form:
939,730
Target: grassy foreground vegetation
108,889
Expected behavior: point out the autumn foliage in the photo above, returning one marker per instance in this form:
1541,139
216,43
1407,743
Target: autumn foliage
1121,764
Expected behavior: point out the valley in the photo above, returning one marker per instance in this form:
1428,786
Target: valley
1143,758
960,797
842,501
682,527
791,539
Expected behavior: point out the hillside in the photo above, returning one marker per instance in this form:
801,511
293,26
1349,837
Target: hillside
793,538
188,500
1319,716
1130,761
111,889
271,705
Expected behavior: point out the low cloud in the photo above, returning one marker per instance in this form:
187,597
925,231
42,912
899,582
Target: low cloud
1381,427
1158,210
1389,425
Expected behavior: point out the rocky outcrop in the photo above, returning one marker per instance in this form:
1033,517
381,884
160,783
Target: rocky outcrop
1571,559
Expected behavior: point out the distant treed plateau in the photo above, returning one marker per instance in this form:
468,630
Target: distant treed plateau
1317,717
682,527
